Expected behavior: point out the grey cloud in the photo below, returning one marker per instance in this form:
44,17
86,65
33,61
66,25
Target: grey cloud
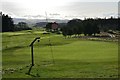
111,14
13,8
73,9
34,16
54,14
90,8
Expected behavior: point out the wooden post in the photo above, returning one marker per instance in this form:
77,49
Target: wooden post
32,56
31,45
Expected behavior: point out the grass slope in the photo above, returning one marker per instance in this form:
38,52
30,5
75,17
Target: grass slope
74,58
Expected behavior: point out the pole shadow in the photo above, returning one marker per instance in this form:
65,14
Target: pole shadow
29,70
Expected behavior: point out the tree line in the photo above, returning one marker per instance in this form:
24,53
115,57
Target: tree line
90,26
8,24
87,26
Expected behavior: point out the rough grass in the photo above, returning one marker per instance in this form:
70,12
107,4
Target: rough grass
74,58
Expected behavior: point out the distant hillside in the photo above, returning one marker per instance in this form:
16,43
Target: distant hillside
43,24
40,24
34,21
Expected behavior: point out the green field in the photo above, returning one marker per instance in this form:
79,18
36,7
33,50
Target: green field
74,57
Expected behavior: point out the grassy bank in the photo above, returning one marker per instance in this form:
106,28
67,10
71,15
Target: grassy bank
74,57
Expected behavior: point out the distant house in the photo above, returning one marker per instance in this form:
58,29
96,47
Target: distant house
54,26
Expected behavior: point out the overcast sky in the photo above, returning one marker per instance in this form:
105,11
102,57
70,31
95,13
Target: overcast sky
59,9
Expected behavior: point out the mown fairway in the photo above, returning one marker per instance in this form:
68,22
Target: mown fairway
74,58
